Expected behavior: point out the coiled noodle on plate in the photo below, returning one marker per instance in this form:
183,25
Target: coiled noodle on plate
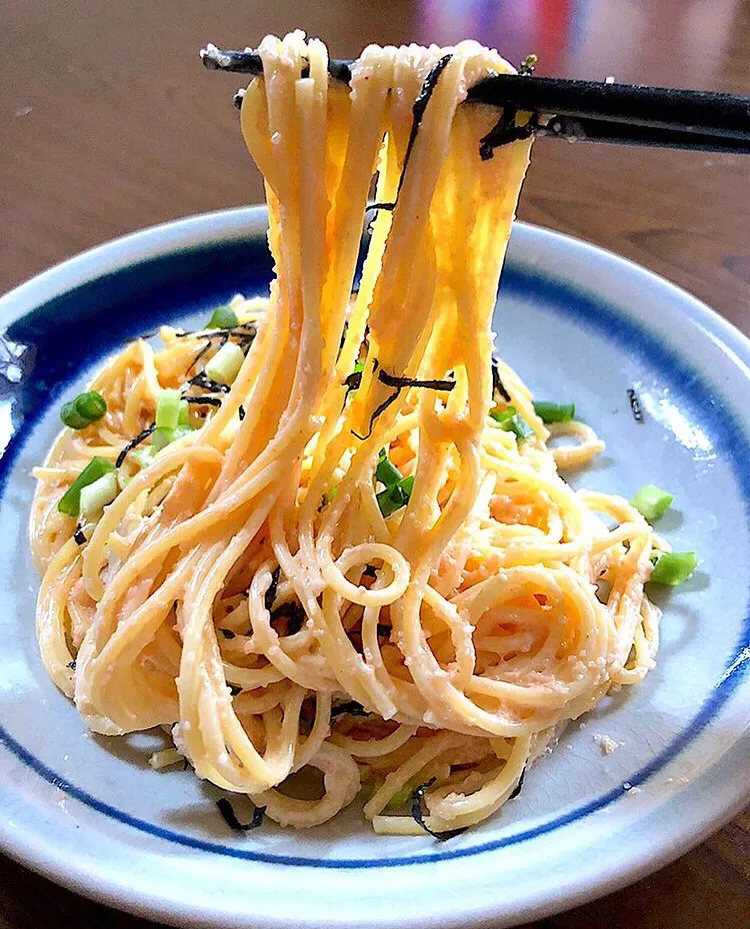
341,561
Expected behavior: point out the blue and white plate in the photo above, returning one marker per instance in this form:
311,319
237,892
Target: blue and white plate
579,324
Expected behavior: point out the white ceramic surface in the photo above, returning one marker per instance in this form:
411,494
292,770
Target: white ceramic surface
579,324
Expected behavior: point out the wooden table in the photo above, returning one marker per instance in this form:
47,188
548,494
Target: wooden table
110,124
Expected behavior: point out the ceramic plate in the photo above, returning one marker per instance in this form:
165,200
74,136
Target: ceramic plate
579,324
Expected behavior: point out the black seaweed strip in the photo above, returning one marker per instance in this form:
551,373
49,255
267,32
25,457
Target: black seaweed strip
418,110
518,786
293,613
351,708
378,410
505,131
79,536
352,382
204,381
382,206
72,665
204,401
635,405
416,811
497,384
230,818
393,380
271,592
241,412
134,443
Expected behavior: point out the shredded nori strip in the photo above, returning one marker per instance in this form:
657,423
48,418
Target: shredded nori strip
227,633
293,613
204,401
241,412
417,814
134,443
350,708
382,206
203,381
519,785
370,571
352,382
381,408
234,690
635,405
230,818
399,383
271,592
72,665
505,131
394,380
497,385
418,110
79,536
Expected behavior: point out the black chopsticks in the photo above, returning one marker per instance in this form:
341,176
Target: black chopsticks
584,110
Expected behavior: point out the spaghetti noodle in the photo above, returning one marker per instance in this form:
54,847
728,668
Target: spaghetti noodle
339,560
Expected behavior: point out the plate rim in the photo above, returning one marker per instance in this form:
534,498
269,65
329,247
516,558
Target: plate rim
170,237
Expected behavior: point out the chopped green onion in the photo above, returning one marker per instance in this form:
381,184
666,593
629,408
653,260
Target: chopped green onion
168,409
143,456
359,367
386,472
223,317
550,412
226,363
184,417
673,568
333,493
83,410
162,437
652,502
510,420
396,496
94,497
407,485
70,502
399,800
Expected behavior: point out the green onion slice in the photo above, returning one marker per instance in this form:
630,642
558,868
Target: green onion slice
184,416
510,420
399,800
550,412
652,502
223,317
83,410
70,502
386,472
225,364
94,497
673,568
168,409
395,497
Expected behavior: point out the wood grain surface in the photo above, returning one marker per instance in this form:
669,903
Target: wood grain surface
108,124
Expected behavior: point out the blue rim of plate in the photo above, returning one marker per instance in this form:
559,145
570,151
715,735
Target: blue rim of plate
54,328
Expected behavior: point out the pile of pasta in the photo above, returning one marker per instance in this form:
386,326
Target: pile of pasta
247,589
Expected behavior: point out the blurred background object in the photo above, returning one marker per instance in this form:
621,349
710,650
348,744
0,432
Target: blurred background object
109,123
